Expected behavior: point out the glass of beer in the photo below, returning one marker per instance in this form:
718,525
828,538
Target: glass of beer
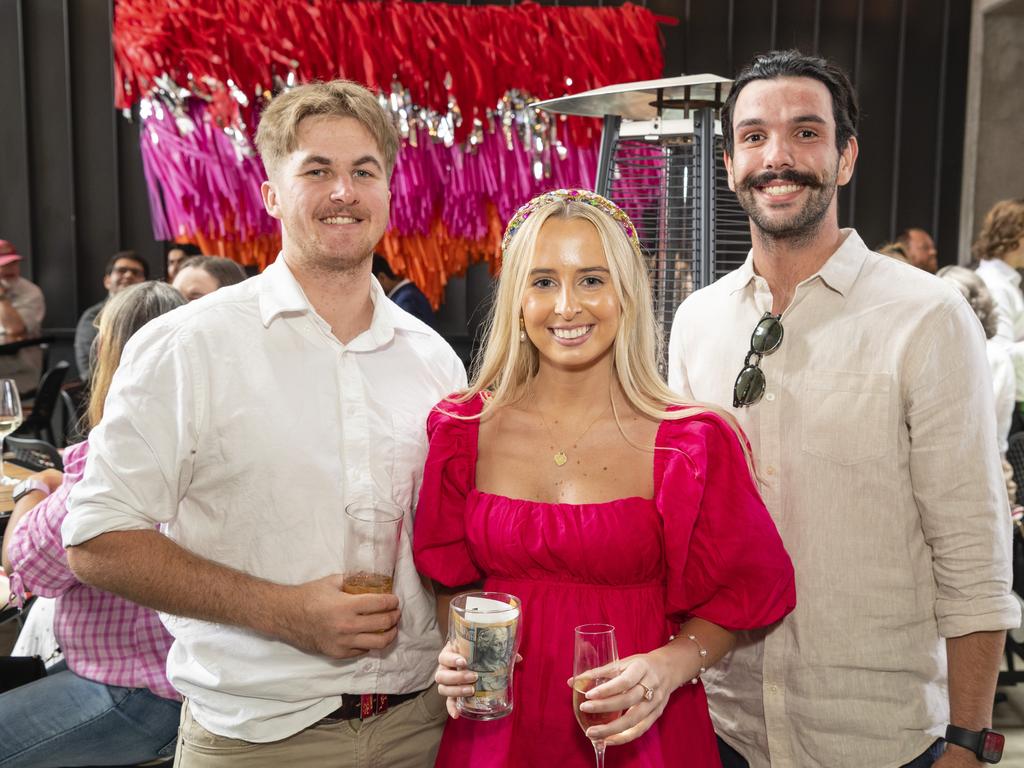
483,628
372,533
594,647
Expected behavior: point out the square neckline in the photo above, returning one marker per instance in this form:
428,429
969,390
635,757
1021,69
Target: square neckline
475,444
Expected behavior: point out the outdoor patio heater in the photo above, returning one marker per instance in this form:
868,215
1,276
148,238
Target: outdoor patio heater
661,161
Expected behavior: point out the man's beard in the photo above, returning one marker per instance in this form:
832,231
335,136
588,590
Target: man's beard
325,258
801,226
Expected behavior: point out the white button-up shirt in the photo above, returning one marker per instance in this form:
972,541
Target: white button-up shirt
875,441
242,426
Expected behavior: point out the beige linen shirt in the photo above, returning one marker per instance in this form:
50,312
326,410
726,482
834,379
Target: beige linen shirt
876,444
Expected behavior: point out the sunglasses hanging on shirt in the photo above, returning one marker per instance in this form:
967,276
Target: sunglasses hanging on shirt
750,383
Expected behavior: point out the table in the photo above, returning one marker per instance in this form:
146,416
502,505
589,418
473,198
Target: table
6,502
12,347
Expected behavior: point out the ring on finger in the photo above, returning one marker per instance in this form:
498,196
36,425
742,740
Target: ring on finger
648,692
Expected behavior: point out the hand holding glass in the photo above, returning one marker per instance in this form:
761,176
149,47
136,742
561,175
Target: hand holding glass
594,647
483,628
373,531
10,420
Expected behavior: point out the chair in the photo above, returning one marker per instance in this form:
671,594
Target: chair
38,423
33,453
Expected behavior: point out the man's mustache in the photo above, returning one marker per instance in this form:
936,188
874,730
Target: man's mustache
790,175
355,213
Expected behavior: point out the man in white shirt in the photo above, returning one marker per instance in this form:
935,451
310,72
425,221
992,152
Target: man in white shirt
243,425
871,421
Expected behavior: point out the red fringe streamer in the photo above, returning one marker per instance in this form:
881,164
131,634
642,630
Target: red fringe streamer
430,260
474,55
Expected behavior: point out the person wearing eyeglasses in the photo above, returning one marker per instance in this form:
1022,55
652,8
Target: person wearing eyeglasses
863,386
124,269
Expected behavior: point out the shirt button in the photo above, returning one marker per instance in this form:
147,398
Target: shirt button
368,666
770,397
769,470
773,689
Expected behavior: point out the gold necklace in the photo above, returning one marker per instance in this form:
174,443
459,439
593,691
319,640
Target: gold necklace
560,458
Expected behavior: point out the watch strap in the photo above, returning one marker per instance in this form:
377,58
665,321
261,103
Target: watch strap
28,485
986,744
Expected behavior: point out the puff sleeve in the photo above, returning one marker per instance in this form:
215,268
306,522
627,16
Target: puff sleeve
725,559
439,535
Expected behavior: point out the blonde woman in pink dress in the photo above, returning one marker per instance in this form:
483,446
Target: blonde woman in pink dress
569,475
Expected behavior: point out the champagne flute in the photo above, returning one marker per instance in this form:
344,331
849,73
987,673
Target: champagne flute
10,420
594,647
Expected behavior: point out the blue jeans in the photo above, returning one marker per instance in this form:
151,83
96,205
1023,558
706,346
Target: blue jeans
733,759
66,720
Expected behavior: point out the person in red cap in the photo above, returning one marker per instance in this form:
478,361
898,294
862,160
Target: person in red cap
22,309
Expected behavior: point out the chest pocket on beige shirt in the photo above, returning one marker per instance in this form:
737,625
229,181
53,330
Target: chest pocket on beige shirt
847,415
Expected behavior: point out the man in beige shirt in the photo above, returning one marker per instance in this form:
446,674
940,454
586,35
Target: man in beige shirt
871,422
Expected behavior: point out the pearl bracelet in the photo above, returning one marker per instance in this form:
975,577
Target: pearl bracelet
702,652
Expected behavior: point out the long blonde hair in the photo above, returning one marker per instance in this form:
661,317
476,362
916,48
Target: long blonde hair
506,365
124,314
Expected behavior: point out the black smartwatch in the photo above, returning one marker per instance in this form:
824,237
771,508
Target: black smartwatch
986,743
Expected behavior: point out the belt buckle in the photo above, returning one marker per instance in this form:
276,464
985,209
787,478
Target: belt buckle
371,704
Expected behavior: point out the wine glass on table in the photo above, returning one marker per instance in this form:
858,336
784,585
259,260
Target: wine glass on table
594,648
10,420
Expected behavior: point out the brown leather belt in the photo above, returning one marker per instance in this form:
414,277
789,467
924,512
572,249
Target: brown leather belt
355,706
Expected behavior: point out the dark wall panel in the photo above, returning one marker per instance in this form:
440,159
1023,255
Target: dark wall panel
95,164
50,152
919,140
878,86
14,165
946,195
797,25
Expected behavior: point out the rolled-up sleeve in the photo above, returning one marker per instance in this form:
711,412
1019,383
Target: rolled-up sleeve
957,477
141,454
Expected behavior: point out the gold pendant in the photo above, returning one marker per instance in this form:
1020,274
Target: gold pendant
561,458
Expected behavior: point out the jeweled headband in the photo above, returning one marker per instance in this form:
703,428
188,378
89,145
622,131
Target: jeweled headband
603,204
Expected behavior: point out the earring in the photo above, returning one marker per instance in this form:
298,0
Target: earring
522,330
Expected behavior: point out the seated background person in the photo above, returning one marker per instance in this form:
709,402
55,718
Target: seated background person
402,291
176,254
124,269
110,703
22,309
199,275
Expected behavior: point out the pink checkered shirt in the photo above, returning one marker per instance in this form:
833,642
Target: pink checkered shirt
104,637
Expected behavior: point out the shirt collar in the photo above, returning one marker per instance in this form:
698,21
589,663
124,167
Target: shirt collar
398,287
1001,268
281,295
838,273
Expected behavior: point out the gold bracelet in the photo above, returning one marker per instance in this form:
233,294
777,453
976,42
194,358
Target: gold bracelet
703,653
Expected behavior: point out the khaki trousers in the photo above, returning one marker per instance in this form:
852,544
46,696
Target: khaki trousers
404,737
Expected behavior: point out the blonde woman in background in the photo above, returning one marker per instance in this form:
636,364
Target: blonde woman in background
111,704
570,476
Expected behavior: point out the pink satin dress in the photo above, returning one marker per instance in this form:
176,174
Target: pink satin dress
704,546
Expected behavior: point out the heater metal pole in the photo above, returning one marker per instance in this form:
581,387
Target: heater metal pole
704,133
609,137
